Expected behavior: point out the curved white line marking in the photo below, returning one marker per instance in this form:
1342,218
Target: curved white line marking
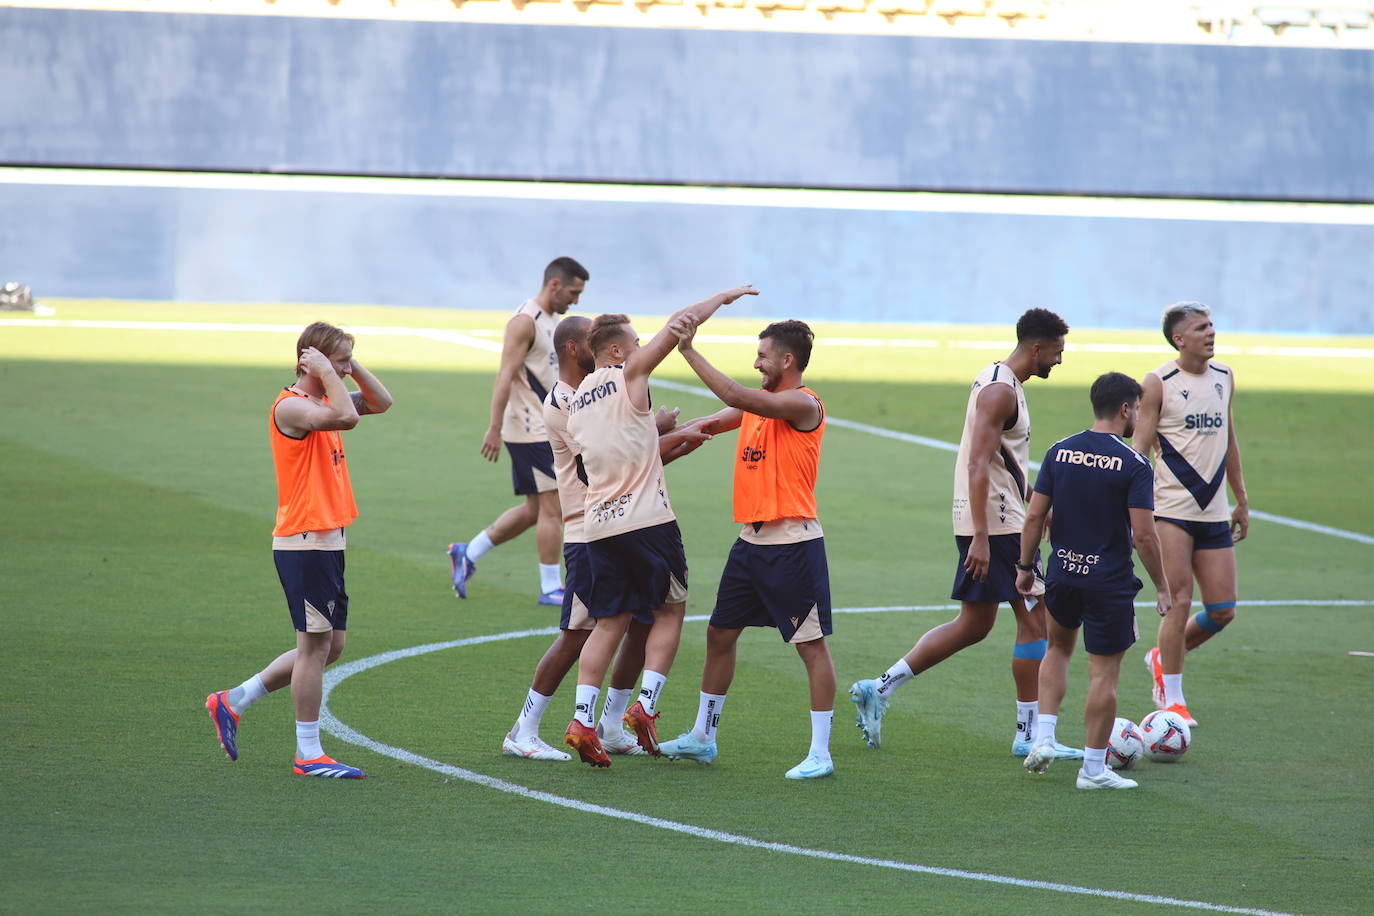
331,724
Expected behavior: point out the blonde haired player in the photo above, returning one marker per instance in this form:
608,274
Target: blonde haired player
314,509
1185,415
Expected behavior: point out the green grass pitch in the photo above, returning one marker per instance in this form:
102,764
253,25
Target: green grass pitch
135,577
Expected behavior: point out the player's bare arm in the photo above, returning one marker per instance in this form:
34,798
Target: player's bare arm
722,421
646,359
681,441
995,406
1037,518
1147,548
519,337
1240,514
796,407
371,396
665,419
298,416
1147,419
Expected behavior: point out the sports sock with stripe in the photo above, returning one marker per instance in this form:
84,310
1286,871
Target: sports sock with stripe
586,704
650,686
708,715
527,726
612,717
1026,714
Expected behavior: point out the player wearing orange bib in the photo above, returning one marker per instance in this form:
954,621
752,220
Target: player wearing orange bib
776,575
314,508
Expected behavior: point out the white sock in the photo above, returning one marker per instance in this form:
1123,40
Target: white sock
612,717
586,704
1044,728
821,721
1173,689
1094,760
550,579
650,686
1026,714
479,545
527,726
308,740
708,715
893,678
246,694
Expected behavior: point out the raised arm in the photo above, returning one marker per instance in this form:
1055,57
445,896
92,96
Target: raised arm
371,396
518,339
1147,420
996,404
298,416
796,407
1240,515
644,360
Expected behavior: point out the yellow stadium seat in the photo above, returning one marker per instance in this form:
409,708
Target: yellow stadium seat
951,9
831,7
893,8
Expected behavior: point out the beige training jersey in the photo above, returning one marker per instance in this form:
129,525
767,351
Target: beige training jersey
1007,471
572,488
619,443
524,418
1194,433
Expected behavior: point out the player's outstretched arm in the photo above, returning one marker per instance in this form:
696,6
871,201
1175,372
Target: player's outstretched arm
371,396
796,407
1147,546
646,359
1147,420
298,416
1240,514
519,337
681,441
722,421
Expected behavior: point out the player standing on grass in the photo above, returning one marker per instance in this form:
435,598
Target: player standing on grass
574,362
314,507
528,369
989,507
633,542
1102,495
1186,414
776,574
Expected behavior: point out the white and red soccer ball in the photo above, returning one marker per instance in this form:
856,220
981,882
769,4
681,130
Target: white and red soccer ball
1166,736
1125,746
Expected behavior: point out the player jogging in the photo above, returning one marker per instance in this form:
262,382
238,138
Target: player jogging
1102,495
314,508
528,369
1186,414
574,362
990,488
776,574
634,546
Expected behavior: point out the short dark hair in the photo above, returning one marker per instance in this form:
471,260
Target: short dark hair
793,336
1040,324
565,269
1178,312
570,328
605,330
1110,391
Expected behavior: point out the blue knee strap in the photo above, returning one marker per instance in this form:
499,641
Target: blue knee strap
1204,619
1035,650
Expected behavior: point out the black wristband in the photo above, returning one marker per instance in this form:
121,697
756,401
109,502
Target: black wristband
1025,568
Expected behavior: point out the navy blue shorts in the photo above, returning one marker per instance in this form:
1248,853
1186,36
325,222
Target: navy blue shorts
577,589
1107,618
314,584
638,571
531,467
776,585
1004,552
1206,535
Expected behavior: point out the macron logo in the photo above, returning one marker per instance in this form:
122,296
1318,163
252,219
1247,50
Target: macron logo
1088,459
591,396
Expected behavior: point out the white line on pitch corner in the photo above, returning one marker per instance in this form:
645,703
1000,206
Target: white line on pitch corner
461,338
338,673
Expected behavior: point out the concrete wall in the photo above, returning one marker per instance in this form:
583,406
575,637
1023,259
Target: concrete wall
653,105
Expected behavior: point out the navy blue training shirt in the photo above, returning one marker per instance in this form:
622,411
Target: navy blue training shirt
1093,479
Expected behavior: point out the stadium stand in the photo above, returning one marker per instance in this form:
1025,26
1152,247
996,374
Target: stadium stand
1336,23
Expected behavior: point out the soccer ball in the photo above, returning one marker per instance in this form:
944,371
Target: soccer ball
1125,747
1166,736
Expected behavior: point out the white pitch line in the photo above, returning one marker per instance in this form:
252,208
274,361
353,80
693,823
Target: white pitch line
490,346
339,673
